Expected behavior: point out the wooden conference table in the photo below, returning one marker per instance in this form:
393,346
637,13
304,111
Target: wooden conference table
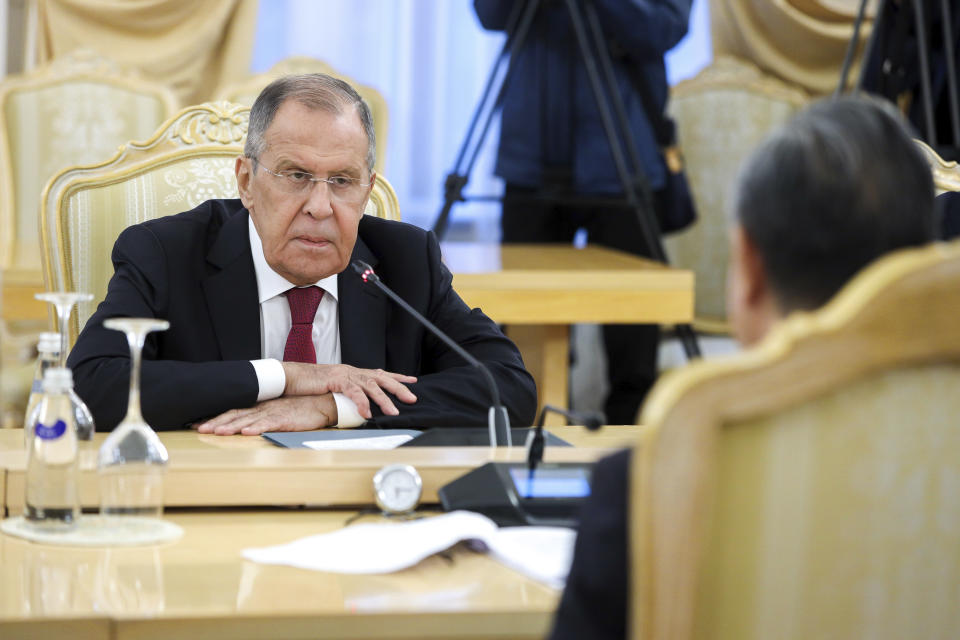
538,291
199,586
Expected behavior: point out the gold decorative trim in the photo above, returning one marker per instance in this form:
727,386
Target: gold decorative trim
946,175
82,65
383,201
225,123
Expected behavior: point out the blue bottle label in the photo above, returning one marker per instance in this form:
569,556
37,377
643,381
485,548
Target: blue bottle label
50,433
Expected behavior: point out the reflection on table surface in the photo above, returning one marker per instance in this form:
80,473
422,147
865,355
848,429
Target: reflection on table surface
203,576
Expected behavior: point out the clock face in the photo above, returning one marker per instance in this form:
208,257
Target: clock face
397,488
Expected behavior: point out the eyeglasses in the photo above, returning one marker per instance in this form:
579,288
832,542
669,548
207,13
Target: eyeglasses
343,188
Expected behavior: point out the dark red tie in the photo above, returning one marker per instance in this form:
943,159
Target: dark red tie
303,303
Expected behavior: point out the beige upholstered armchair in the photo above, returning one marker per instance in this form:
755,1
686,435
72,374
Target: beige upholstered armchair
188,160
810,488
721,114
247,91
75,110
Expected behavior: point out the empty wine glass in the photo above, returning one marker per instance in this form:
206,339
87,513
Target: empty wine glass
132,459
64,302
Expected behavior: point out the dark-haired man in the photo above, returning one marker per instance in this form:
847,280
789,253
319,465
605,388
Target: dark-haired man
269,330
837,187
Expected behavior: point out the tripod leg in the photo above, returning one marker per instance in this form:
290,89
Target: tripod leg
606,67
457,179
636,190
924,51
851,48
948,53
650,233
871,44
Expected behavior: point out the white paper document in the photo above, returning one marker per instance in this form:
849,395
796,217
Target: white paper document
376,442
542,553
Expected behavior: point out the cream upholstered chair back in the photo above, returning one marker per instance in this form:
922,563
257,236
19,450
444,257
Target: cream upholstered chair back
722,114
75,110
946,175
810,488
190,159
246,92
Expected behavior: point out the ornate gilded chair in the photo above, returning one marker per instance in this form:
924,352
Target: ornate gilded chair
247,91
722,114
75,110
188,160
810,488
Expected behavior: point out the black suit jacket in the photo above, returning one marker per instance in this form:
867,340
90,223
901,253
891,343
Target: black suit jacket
195,269
594,602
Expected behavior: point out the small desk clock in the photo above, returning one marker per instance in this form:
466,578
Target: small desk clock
397,489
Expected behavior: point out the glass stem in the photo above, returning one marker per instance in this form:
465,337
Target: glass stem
135,339
63,311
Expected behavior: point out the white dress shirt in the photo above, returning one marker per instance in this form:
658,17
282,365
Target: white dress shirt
275,325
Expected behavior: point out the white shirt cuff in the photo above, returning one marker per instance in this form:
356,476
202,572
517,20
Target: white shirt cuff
270,378
347,414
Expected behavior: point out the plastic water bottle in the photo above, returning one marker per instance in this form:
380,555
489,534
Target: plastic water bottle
52,499
48,352
49,355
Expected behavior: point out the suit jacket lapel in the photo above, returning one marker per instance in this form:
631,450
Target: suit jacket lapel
363,315
231,292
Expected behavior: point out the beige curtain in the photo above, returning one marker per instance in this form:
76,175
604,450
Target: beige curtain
194,46
803,42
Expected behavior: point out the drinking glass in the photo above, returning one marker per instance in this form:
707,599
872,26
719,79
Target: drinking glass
132,459
64,302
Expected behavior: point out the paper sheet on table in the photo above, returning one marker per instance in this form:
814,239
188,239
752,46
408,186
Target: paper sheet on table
542,553
376,442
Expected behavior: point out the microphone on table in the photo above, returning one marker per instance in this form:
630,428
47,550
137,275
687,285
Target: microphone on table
592,420
498,422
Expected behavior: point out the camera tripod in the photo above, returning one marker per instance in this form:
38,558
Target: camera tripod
914,9
595,55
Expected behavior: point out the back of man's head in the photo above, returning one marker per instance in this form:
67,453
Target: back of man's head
834,189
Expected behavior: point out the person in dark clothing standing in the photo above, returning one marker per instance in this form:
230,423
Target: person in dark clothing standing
552,143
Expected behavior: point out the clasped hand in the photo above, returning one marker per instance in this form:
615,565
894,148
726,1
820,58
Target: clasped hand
307,402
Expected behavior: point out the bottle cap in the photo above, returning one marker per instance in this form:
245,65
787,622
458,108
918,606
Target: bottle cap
57,380
49,343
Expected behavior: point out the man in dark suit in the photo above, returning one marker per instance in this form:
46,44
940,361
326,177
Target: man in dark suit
836,188
269,328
